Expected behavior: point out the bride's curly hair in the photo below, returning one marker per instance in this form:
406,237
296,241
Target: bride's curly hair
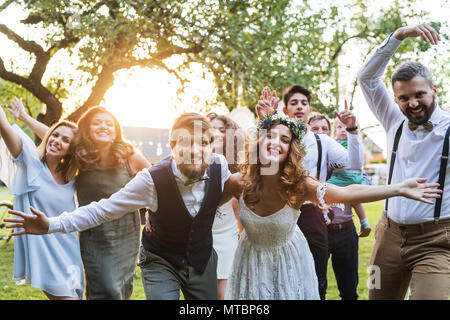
87,155
292,174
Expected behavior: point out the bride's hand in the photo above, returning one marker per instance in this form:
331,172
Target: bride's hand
418,189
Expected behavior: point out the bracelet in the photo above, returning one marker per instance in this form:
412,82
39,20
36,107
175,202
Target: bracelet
351,129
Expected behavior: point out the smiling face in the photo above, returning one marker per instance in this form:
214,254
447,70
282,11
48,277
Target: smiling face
274,147
102,129
298,107
320,126
192,153
415,98
59,141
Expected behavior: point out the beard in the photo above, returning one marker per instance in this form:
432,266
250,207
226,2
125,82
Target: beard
428,111
193,171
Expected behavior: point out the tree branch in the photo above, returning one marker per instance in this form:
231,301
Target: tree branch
54,106
26,45
5,4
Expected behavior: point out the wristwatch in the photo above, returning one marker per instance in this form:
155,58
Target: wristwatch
351,129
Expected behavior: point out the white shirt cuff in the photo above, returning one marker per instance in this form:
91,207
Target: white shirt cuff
391,44
55,225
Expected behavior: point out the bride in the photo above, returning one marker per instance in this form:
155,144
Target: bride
272,260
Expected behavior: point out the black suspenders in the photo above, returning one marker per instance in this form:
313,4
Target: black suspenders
442,174
393,156
442,170
319,155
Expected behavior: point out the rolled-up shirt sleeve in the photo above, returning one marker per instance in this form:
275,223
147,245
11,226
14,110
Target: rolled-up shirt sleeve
140,192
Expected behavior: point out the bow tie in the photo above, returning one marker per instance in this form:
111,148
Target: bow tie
195,180
428,126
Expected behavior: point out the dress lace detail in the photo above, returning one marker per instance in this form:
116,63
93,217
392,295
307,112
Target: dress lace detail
320,193
273,260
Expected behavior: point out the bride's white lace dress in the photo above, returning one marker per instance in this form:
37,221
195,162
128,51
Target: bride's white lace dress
273,260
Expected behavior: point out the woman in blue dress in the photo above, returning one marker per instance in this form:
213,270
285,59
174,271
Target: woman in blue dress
43,178
105,163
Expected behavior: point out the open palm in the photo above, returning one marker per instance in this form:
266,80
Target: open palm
418,189
31,224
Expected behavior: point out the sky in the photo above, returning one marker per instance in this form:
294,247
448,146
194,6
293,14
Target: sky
145,97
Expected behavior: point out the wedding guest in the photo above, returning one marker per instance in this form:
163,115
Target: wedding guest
411,239
43,178
105,163
228,139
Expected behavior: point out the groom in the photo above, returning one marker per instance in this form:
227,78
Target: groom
183,192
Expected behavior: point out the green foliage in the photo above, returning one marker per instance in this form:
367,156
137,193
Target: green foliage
10,90
245,44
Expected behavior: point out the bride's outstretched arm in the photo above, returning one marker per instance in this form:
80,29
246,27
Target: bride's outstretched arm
414,188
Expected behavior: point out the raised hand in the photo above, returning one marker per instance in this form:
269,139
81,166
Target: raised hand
268,103
17,108
346,117
32,224
423,30
418,189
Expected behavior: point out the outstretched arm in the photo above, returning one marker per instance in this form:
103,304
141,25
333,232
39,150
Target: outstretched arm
140,192
18,110
11,138
415,188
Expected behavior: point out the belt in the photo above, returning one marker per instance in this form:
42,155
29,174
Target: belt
340,226
424,226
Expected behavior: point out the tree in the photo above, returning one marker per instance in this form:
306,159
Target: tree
246,44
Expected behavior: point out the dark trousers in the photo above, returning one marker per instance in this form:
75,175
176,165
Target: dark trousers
343,248
313,226
163,281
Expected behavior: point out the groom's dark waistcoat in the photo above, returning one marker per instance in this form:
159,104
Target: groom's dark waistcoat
177,236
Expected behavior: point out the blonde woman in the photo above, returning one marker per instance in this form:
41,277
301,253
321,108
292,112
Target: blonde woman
43,179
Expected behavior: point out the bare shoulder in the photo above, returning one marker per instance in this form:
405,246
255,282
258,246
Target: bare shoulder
137,162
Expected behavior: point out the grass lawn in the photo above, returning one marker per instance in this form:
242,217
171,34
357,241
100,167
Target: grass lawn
9,290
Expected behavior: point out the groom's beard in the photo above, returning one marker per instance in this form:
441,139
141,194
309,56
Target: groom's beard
193,171
428,111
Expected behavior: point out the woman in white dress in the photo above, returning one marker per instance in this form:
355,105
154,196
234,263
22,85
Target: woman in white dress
273,260
226,227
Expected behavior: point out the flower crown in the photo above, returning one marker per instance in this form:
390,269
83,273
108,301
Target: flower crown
297,127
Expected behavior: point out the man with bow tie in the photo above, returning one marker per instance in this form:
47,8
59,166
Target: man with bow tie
412,240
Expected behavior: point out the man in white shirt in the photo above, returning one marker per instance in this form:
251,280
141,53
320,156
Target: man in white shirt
412,240
183,192
320,148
